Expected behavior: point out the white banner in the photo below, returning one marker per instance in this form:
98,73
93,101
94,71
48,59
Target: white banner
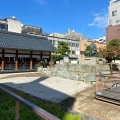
24,56
9,55
35,56
45,56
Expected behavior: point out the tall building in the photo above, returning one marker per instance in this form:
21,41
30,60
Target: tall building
113,29
70,38
101,40
10,24
114,13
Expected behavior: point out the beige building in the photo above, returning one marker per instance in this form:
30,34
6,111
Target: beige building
73,43
83,45
11,24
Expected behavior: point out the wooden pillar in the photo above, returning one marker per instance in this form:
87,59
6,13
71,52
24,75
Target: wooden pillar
50,57
31,62
41,56
16,60
3,59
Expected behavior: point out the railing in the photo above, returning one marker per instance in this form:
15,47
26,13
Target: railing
107,82
37,110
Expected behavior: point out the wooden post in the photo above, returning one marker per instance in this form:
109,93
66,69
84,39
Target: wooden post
16,60
17,111
31,60
3,59
50,57
41,56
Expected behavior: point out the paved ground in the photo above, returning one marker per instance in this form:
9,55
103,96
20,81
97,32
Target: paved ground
51,89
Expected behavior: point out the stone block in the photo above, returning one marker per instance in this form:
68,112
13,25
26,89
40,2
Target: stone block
85,68
73,76
74,67
66,59
92,69
81,77
39,69
90,78
54,73
87,61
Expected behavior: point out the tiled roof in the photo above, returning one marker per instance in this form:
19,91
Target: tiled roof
18,41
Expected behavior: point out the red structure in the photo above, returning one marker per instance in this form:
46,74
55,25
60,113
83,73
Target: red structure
112,32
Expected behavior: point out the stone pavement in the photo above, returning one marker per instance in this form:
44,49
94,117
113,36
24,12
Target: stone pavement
53,89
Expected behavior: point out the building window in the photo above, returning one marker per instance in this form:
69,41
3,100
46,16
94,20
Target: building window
114,13
73,52
53,42
77,45
4,27
73,44
69,43
118,21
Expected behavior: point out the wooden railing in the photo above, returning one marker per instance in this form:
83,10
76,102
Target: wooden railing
37,110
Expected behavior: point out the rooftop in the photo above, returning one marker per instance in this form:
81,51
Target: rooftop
18,41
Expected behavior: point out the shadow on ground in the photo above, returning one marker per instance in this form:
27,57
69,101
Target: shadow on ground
43,92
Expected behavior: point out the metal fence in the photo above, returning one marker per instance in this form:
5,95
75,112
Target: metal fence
19,100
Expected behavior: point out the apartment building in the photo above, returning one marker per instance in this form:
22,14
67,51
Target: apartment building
11,24
113,29
31,30
71,37
114,13
101,40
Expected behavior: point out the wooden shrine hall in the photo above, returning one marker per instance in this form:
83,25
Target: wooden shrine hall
19,51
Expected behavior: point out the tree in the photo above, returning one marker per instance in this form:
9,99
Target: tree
115,43
62,51
87,50
112,50
91,50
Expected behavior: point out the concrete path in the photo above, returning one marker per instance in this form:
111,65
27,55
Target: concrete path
52,89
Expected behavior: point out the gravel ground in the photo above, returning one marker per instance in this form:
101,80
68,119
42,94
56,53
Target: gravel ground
51,89
80,96
86,104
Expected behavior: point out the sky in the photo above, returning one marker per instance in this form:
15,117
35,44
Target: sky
88,17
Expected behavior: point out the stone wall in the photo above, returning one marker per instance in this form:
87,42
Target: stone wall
76,71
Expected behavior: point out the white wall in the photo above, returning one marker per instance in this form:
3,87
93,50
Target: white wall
14,26
114,6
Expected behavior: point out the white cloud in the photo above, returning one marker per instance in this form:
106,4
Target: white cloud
42,2
99,20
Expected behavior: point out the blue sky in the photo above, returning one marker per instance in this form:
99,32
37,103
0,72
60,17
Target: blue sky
88,17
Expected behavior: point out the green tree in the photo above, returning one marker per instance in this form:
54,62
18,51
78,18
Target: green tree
87,50
115,43
91,50
62,51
